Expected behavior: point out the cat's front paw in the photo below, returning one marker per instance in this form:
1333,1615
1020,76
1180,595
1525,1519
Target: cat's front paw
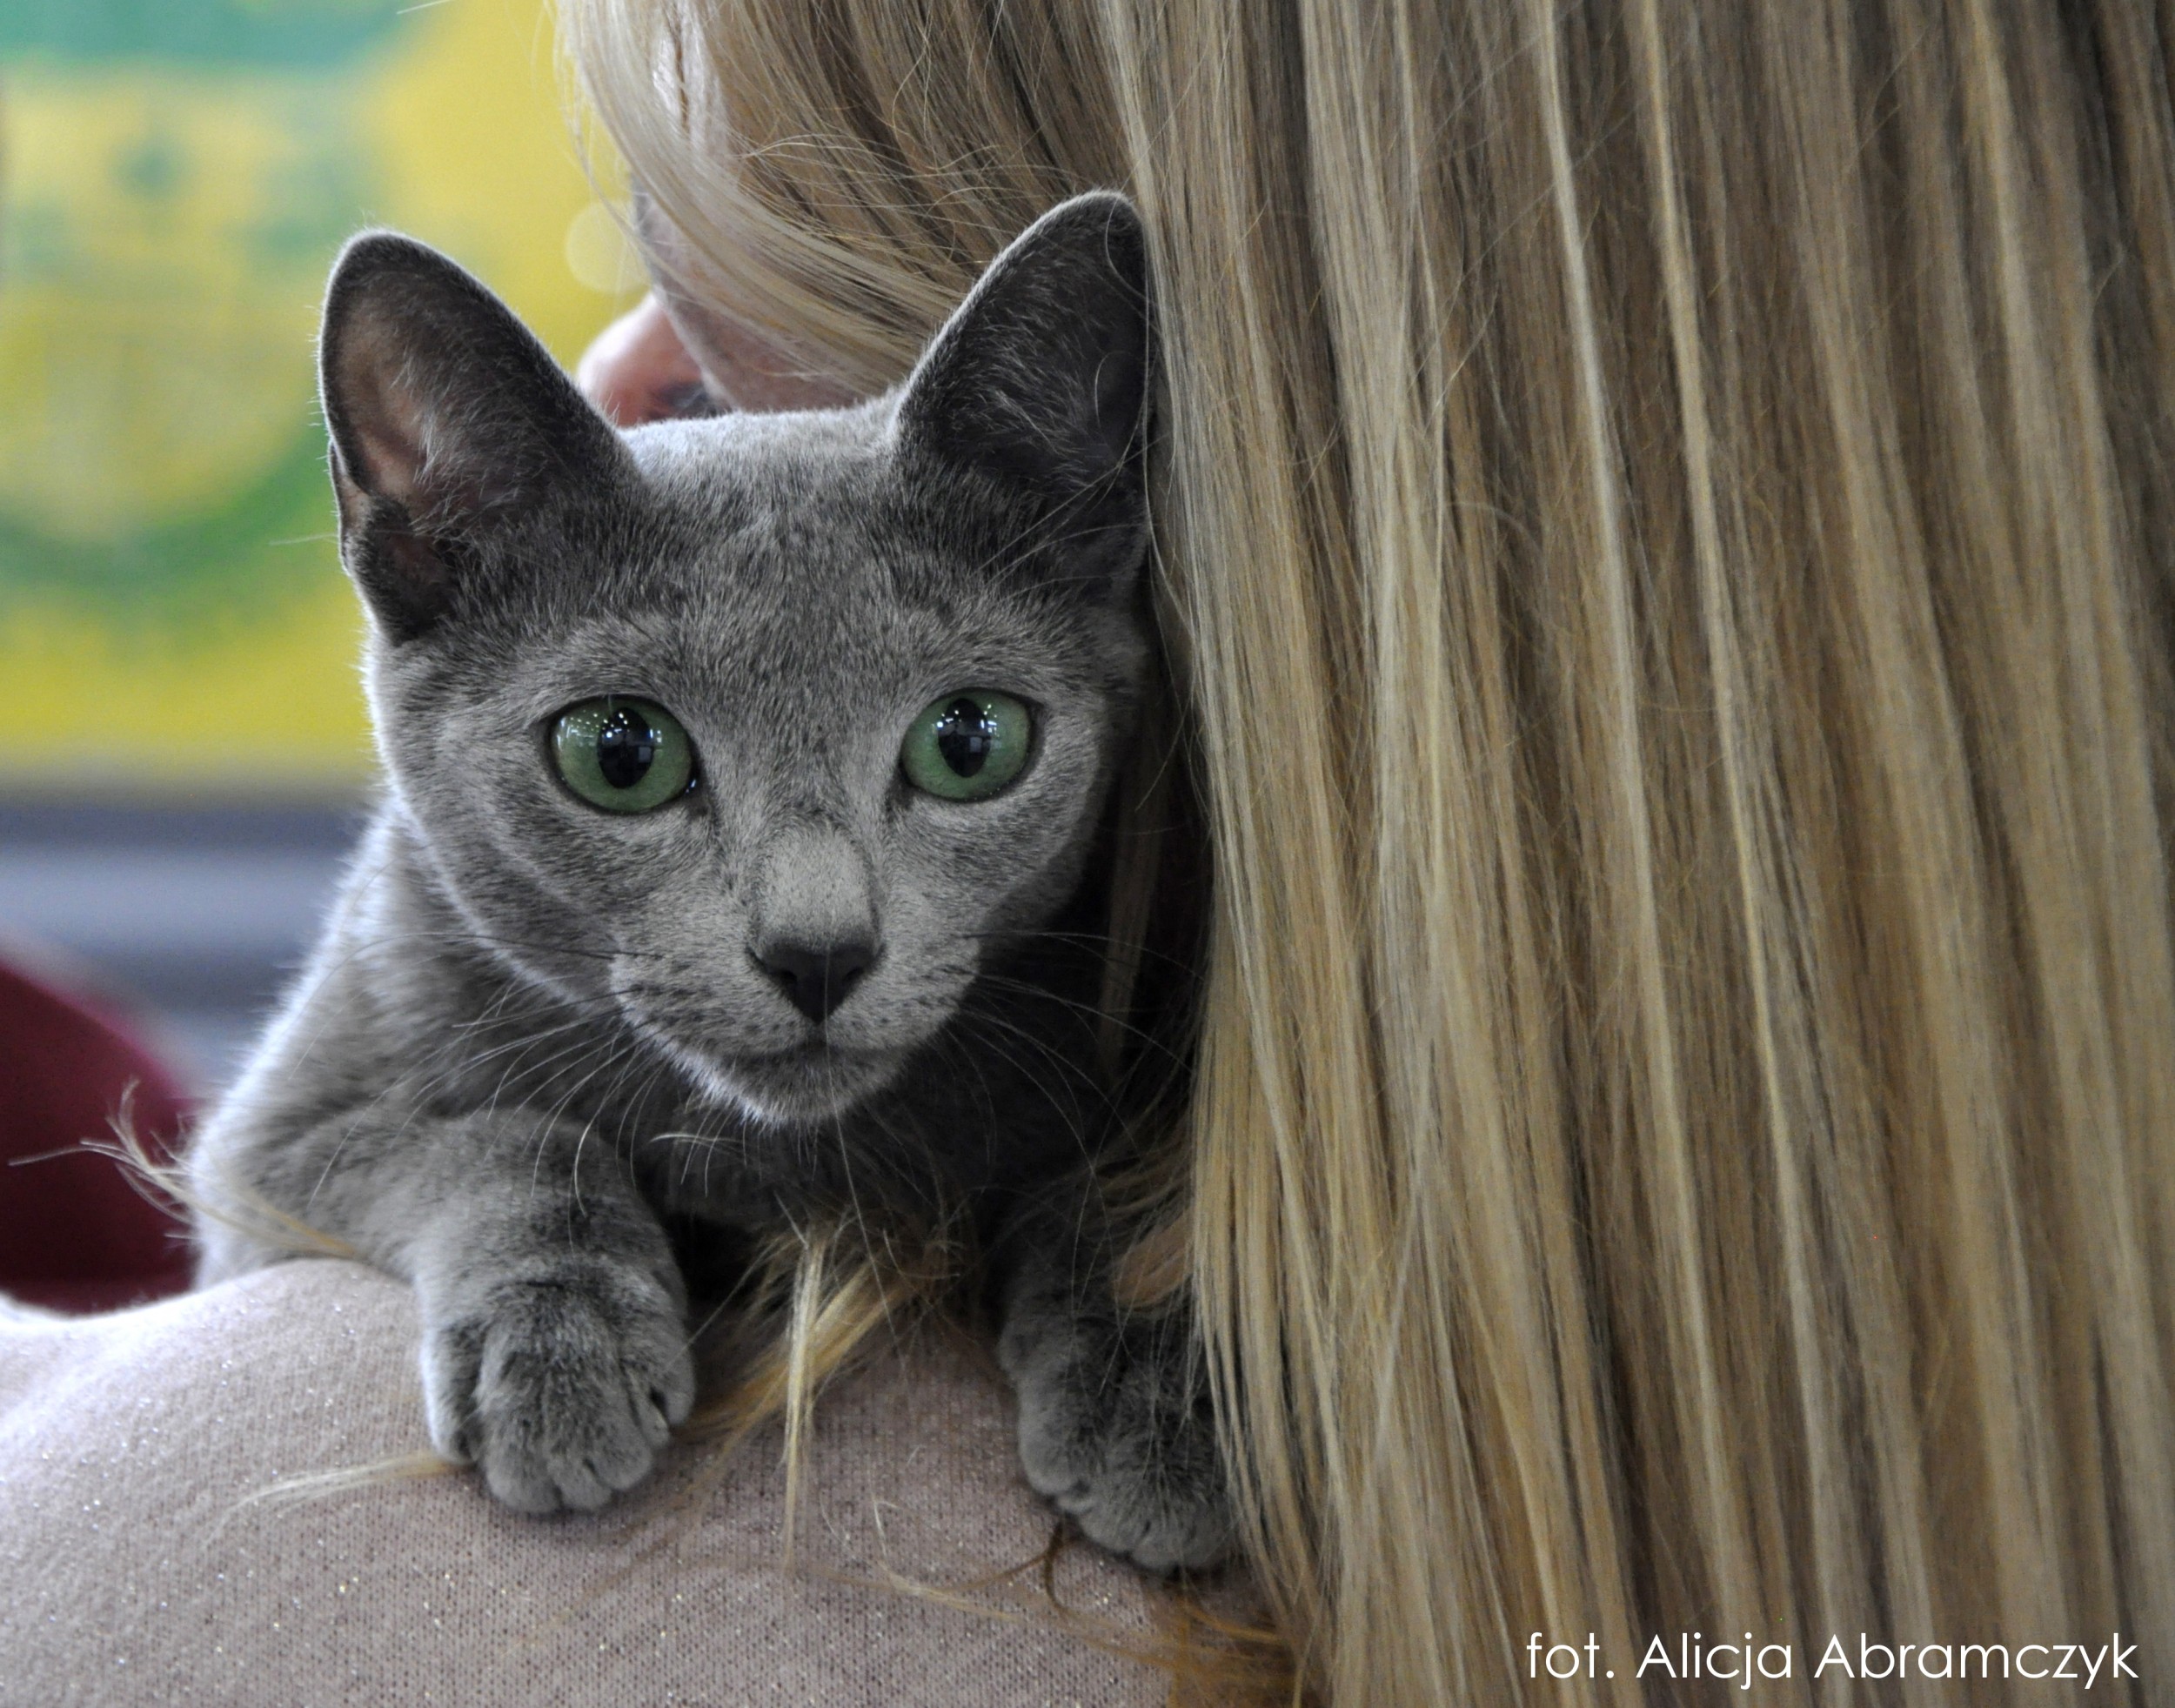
1116,1430
560,1386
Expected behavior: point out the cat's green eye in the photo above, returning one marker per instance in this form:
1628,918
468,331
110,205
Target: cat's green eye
967,744
623,755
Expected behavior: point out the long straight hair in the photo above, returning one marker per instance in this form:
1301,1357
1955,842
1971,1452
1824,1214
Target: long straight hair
1666,524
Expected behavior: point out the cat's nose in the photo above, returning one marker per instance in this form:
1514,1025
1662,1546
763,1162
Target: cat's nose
816,979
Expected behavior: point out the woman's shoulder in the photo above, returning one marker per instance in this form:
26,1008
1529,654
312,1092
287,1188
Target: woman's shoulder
229,1495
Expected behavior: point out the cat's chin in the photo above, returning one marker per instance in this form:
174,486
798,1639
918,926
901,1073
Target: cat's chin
797,1086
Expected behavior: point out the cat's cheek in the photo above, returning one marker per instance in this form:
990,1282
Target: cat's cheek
1000,865
1021,894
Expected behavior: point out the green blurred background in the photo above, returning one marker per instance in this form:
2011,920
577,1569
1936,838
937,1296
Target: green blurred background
183,750
175,177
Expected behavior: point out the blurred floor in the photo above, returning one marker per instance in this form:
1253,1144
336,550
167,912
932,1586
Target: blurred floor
197,915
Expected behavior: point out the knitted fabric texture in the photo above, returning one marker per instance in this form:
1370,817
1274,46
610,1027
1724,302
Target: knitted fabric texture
138,1570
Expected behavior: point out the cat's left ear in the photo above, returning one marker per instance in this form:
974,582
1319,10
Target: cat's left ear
1041,378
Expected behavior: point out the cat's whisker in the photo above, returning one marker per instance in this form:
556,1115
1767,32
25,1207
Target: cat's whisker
1097,941
620,1052
968,1058
403,1084
1089,1010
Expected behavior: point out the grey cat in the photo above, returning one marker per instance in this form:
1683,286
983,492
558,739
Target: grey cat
741,780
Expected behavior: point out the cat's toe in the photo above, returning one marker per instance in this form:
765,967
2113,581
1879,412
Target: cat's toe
575,1388
452,1356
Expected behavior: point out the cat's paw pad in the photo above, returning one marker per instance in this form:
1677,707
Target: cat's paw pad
1122,1441
560,1389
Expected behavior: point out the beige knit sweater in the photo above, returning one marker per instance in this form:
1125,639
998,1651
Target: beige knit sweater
134,1567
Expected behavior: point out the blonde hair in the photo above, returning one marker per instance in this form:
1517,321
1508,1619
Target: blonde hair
1665,549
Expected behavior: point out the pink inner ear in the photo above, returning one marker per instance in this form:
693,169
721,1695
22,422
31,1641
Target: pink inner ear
392,464
387,412
411,452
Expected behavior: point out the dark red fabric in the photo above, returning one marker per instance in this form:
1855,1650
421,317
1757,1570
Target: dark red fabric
75,1234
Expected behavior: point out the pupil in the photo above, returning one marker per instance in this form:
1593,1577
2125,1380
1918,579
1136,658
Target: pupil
965,737
626,747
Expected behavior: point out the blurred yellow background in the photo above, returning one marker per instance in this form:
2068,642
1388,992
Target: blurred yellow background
174,178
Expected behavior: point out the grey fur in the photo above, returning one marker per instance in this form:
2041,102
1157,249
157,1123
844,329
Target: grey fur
534,1030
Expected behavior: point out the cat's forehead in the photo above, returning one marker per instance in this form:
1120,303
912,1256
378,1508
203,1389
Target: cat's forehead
790,550
804,507
782,454
806,521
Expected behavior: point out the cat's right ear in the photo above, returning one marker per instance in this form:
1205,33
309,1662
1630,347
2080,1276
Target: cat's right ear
447,419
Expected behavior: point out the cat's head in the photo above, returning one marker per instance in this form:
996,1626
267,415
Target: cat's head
764,729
